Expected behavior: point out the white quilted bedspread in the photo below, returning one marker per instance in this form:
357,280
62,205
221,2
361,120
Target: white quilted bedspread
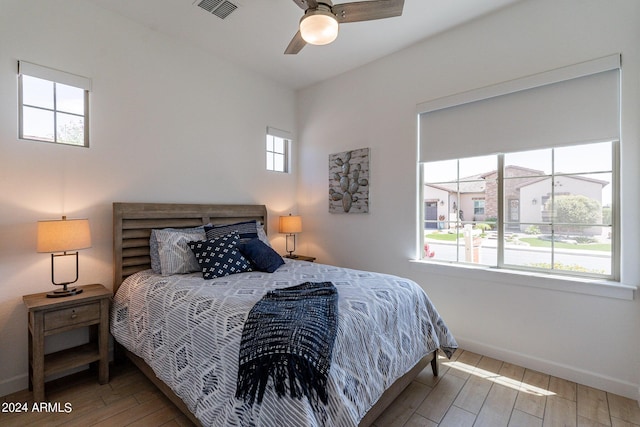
188,330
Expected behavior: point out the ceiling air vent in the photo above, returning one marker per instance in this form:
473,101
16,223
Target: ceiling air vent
220,8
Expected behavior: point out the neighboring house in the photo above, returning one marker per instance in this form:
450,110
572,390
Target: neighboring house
526,193
442,203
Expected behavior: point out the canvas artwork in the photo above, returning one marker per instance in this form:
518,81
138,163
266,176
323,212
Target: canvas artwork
349,181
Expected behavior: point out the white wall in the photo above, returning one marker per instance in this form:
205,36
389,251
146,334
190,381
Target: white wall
593,340
169,123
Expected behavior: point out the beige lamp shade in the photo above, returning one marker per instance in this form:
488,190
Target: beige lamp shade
290,224
63,235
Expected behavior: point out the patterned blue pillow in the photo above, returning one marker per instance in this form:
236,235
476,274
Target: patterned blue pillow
246,230
220,257
262,256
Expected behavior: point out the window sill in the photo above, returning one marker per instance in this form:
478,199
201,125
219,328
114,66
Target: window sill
595,287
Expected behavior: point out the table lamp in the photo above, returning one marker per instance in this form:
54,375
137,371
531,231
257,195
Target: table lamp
63,235
290,225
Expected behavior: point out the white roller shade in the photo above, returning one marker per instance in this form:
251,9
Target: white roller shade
57,76
279,133
575,104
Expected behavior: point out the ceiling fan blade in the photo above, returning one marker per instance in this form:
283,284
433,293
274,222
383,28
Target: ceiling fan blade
367,10
306,4
295,45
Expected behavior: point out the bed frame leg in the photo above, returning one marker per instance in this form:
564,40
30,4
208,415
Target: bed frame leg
434,363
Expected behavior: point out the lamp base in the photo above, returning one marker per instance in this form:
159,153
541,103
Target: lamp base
64,292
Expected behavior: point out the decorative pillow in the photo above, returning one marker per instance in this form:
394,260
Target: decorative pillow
173,250
262,235
246,230
262,256
154,249
220,257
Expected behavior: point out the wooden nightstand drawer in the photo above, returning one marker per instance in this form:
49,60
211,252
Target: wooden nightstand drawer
71,316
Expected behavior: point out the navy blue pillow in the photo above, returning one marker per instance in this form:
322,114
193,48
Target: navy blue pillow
220,257
262,256
246,230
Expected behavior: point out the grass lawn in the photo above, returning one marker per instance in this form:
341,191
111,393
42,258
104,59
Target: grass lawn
532,241
535,242
447,237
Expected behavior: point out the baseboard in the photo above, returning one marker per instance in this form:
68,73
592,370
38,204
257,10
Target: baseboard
12,385
571,373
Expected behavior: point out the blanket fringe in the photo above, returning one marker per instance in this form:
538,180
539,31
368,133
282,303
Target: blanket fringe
289,372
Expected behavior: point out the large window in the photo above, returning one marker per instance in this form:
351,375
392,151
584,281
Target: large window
548,210
277,150
53,105
523,175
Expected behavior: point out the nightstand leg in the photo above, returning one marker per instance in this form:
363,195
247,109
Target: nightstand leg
37,362
30,355
103,343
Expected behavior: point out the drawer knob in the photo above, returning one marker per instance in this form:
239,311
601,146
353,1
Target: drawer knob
73,314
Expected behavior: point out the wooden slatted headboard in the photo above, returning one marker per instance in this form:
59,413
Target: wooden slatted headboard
133,222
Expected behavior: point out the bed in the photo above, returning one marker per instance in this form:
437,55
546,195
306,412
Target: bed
192,356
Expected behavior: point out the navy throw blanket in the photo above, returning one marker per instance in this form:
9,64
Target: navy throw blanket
288,337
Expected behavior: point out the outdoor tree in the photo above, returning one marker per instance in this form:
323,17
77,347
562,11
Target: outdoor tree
570,211
606,215
72,132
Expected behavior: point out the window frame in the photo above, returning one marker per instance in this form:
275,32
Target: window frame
55,77
479,204
614,275
285,136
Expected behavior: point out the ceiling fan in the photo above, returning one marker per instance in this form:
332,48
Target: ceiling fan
319,25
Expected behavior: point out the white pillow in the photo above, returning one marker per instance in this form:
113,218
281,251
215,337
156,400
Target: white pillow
174,252
262,235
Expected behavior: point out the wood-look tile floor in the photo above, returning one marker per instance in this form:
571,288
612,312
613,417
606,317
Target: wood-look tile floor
471,390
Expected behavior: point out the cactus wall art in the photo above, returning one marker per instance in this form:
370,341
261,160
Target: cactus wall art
349,181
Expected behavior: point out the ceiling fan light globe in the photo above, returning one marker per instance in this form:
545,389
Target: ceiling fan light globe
319,28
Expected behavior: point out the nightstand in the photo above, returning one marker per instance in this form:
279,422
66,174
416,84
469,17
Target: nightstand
49,316
301,257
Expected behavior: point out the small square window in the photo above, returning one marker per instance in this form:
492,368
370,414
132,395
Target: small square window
277,150
53,105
